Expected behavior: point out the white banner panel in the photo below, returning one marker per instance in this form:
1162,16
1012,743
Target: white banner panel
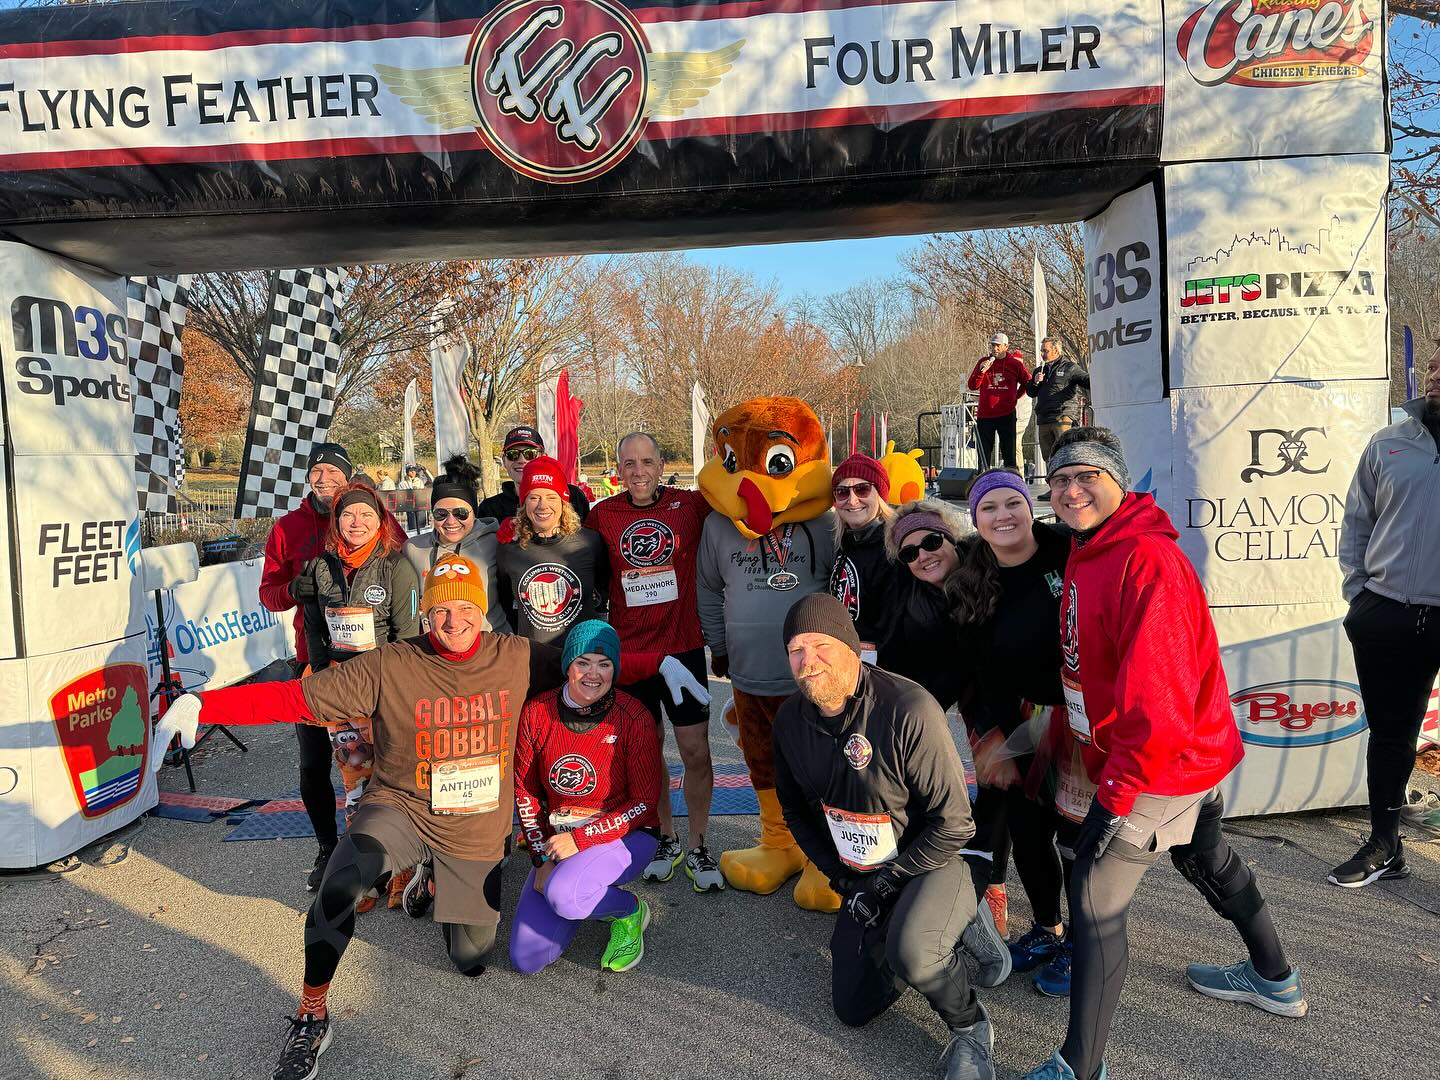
1276,270
78,537
1145,433
1260,485
88,729
17,778
1125,282
1297,705
217,630
1272,78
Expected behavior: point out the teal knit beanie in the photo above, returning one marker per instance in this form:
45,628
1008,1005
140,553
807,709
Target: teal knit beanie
592,636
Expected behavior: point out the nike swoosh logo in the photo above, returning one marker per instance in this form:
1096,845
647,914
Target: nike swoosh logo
1400,451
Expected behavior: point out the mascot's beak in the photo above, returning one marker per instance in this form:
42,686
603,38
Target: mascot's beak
757,502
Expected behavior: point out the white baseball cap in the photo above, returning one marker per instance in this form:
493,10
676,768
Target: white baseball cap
1000,339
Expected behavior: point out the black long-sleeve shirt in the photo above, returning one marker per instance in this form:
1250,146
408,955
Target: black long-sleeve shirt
888,753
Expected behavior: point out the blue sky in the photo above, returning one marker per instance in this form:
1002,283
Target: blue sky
816,268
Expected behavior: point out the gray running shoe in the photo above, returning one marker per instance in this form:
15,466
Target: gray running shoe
987,956
667,857
970,1050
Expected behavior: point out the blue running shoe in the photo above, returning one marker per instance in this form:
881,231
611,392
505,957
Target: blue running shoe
1053,980
1057,1068
1241,982
1037,947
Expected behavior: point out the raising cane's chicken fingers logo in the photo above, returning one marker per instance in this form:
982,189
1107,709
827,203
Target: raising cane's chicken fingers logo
560,90
1277,42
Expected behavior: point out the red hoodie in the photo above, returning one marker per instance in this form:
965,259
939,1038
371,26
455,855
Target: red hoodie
294,540
1000,387
1146,693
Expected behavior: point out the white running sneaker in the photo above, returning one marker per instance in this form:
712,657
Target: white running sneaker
667,857
703,871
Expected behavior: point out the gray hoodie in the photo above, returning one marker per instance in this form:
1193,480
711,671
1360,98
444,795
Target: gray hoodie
479,546
1390,539
745,587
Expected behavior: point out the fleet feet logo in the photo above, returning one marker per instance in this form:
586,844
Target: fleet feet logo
102,723
1277,42
1305,712
560,90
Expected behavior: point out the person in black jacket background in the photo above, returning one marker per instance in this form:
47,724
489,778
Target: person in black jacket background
523,445
1060,387
863,577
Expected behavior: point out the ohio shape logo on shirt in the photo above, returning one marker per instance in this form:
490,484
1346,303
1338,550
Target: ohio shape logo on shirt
858,751
551,595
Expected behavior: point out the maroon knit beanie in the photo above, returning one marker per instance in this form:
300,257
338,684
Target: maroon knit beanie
860,467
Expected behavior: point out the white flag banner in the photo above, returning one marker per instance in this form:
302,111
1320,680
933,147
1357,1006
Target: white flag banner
699,427
412,403
448,357
545,422
1040,307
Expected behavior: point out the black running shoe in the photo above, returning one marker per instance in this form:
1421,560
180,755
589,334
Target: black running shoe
1374,861
419,893
317,873
307,1040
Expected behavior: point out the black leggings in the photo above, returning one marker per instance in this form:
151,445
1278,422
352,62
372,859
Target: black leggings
316,790
358,863
1007,822
1397,655
1101,892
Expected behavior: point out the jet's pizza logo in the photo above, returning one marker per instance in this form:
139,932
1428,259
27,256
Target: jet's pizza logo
1277,42
560,90
102,721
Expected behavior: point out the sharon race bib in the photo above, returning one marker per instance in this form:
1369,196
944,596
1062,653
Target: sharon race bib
467,786
863,841
352,629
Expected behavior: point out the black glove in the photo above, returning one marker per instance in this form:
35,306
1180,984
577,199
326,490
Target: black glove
1096,831
720,665
873,895
303,587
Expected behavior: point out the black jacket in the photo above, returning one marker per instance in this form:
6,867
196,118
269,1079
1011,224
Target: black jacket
924,643
890,752
506,501
390,588
863,579
1060,392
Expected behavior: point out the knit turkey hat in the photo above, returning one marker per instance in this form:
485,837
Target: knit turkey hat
454,577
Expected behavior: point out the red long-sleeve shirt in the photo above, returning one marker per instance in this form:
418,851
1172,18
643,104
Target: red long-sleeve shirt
608,777
1001,386
294,540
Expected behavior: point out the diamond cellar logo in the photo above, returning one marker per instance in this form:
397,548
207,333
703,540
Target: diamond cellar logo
1277,42
1291,451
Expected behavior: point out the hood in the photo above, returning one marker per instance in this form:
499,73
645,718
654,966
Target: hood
1138,514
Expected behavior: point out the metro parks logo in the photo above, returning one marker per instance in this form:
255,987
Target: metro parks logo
102,722
560,90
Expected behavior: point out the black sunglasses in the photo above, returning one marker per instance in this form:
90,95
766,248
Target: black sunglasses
930,542
528,453
461,514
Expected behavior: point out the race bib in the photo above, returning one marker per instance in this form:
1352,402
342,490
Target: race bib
468,786
863,841
1074,790
868,653
352,629
648,585
572,817
1075,709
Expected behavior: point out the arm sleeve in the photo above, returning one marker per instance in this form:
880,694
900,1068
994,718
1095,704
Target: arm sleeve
579,502
975,376
710,592
1032,387
317,635
1080,379
642,783
600,557
533,822
404,600
804,818
1358,525
257,703
936,780
505,597
1023,382
346,690
277,572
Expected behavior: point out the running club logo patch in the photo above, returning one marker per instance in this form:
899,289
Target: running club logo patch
845,586
858,751
573,775
102,722
647,542
551,595
560,90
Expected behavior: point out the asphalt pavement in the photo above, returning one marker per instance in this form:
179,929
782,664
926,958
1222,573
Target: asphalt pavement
168,954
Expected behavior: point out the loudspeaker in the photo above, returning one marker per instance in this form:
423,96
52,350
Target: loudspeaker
954,484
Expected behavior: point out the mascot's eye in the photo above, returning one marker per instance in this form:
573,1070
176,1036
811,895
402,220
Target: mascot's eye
780,461
729,460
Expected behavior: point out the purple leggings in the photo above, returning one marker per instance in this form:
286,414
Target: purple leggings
581,887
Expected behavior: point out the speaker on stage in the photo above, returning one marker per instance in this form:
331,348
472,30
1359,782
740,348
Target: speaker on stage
955,484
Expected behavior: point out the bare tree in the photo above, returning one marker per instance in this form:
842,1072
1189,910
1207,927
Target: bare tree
865,319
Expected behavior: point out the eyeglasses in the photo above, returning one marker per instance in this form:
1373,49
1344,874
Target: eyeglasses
861,491
527,453
930,542
461,514
1085,479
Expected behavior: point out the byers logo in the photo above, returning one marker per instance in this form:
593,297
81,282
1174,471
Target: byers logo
560,90
102,724
1277,42
1305,712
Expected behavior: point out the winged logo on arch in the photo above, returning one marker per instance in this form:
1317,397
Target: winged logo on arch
560,90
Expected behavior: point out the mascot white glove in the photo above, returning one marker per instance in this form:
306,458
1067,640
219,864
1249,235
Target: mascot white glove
680,681
183,719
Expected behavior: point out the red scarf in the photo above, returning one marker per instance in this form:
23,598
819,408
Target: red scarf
454,657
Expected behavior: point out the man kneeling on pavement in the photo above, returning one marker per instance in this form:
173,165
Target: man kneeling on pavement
873,790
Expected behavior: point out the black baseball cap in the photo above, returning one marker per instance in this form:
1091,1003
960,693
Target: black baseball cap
523,436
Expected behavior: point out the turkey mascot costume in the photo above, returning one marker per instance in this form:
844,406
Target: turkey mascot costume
770,542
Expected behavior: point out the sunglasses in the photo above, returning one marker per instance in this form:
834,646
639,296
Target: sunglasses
528,453
1084,479
461,514
930,542
861,490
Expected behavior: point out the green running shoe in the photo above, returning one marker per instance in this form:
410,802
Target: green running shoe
627,939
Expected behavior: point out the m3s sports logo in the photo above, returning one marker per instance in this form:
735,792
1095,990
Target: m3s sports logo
560,90
1278,42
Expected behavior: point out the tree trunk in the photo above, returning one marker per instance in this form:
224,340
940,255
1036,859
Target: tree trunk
480,435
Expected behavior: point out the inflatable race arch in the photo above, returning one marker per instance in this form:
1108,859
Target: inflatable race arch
1229,159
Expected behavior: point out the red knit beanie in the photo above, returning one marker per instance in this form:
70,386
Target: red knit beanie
543,472
860,467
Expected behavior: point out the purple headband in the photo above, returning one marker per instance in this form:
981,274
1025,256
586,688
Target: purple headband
923,519
998,479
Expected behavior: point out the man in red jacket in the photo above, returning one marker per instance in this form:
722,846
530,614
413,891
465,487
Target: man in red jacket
1149,707
297,538
1001,379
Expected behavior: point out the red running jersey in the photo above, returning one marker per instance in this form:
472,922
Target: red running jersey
598,786
652,568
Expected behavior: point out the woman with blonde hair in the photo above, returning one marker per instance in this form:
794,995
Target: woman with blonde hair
863,576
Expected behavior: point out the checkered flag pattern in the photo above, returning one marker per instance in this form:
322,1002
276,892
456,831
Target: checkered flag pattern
156,309
295,396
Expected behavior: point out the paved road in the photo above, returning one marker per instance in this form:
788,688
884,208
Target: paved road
169,954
